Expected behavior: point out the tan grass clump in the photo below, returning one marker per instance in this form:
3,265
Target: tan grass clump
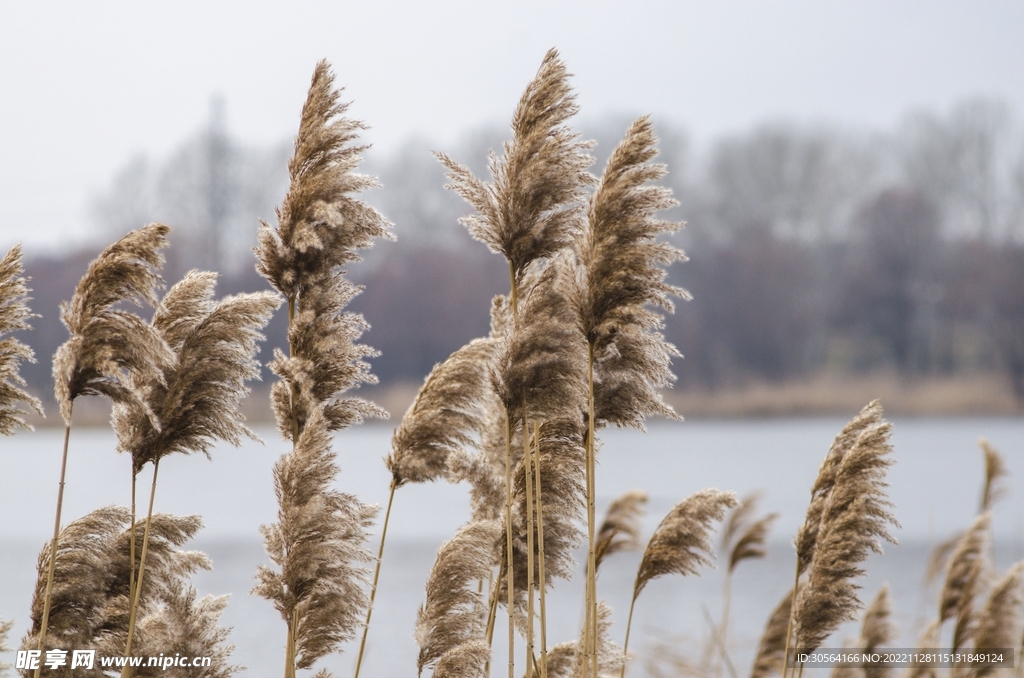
14,315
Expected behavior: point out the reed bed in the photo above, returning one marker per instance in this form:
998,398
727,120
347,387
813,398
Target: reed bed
575,345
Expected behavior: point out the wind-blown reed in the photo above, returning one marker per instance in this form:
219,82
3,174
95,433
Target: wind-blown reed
448,624
965,579
854,519
620,530
771,657
1001,622
318,541
14,315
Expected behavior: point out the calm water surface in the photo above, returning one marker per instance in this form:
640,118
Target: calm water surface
935,485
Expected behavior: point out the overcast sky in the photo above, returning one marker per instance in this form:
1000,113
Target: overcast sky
85,86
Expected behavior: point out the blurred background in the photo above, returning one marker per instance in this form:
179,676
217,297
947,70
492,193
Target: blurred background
852,177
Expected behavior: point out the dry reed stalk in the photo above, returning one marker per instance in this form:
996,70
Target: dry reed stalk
620,530
965,579
107,348
318,541
680,544
742,539
197,398
771,651
448,621
854,519
541,574
807,535
14,315
1001,621
622,270
532,207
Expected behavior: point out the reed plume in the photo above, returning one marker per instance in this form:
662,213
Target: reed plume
189,627
446,417
611,659
877,630
196,398
620,530
743,538
771,651
448,622
620,284
14,315
464,661
1001,622
965,579
318,544
107,345
318,540
5,628
108,348
995,471
807,535
531,208
681,543
854,519
528,213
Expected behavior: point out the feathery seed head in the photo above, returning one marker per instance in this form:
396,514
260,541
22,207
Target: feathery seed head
682,542
620,530
770,650
320,225
532,208
108,346
14,315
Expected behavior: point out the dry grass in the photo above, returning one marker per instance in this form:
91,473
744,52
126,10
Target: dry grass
833,394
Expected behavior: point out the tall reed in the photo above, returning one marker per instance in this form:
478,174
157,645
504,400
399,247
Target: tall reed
197,397
620,283
680,544
318,541
528,213
108,348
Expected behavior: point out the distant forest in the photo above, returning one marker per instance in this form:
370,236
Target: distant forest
812,248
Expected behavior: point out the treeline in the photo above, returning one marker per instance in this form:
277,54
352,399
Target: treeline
811,248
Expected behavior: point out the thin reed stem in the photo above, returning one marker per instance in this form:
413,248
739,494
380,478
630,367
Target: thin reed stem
540,563
789,624
591,617
720,642
625,642
53,544
723,628
376,575
514,292
528,476
136,594
508,544
492,613
131,544
289,667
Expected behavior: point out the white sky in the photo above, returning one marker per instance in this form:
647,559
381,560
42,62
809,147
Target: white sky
84,86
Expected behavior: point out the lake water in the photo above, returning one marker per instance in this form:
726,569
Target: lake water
935,485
